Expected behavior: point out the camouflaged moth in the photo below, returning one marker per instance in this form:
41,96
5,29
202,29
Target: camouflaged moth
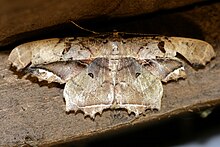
112,71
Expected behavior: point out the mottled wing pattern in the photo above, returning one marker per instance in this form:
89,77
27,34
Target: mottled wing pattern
197,52
165,69
159,54
110,72
91,91
59,72
136,89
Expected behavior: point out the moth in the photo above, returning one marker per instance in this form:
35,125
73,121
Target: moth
112,71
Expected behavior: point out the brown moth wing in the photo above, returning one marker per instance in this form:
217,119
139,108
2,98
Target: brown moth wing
91,91
136,88
20,56
130,87
196,51
165,69
28,53
82,48
87,94
48,51
52,50
59,72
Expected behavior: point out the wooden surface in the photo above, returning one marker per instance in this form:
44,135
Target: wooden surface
24,16
33,112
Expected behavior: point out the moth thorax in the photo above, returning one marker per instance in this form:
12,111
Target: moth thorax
113,65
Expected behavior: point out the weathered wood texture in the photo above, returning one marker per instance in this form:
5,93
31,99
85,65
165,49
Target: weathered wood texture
22,16
34,113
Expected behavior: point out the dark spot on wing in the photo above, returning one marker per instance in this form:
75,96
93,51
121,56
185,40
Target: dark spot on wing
137,74
148,62
141,48
161,46
60,40
67,47
166,37
123,41
91,75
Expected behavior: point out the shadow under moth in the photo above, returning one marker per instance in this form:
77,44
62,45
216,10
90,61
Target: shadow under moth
111,71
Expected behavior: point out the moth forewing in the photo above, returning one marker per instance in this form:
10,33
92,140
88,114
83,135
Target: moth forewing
20,56
196,51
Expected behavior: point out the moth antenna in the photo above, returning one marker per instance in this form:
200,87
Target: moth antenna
138,34
83,28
